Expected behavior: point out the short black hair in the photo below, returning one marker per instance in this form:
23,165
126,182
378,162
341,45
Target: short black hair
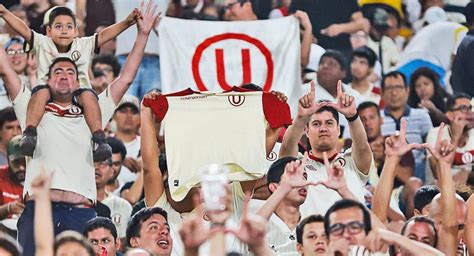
424,195
452,100
308,220
277,169
7,115
117,146
58,11
329,109
366,53
162,163
9,244
135,223
108,59
344,204
63,59
70,236
100,222
368,104
252,87
395,74
426,220
337,55
469,13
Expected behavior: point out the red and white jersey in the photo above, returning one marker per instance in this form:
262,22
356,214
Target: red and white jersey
222,128
319,197
64,144
372,94
280,238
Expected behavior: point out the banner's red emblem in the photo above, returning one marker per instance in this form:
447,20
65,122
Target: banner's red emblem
246,63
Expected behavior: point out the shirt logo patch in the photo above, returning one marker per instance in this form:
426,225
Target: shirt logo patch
176,183
117,219
272,156
75,55
236,100
467,158
340,162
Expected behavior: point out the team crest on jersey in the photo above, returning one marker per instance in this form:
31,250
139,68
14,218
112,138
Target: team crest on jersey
117,218
467,158
71,111
236,100
272,156
340,162
75,55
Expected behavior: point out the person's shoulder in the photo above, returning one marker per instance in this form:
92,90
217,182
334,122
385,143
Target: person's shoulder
419,112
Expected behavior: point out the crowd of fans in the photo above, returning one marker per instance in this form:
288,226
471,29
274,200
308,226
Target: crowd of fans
378,159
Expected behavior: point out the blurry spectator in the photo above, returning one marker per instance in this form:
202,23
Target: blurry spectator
385,48
11,185
362,64
195,6
459,132
90,15
110,46
423,197
148,229
105,68
35,12
432,15
127,119
9,128
421,229
426,92
118,156
395,97
462,75
280,10
120,209
20,12
102,234
333,21
310,236
434,47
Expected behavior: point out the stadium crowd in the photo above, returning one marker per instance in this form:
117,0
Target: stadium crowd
377,160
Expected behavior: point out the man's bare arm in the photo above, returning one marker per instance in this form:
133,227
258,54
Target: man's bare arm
11,80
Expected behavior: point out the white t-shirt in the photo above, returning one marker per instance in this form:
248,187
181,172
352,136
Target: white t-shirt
323,94
120,212
63,145
372,94
133,149
319,197
4,99
435,43
222,128
390,52
280,238
273,155
81,52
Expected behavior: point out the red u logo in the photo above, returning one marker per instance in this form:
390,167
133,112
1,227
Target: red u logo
246,73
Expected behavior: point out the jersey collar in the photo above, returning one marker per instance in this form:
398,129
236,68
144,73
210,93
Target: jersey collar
320,160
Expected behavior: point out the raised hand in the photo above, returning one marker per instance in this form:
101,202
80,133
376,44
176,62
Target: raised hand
133,16
303,18
295,175
3,9
335,173
148,20
345,103
396,145
443,151
281,96
307,106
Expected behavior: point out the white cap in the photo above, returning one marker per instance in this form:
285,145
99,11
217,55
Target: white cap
315,54
435,14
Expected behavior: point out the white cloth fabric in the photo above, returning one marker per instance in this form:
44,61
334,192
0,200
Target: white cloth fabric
133,149
280,238
120,212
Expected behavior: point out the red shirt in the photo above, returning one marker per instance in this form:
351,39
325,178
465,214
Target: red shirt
10,191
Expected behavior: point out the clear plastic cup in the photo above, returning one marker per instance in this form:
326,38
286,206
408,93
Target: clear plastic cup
214,180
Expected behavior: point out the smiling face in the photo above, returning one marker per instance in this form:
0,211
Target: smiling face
62,31
154,236
314,241
17,57
323,131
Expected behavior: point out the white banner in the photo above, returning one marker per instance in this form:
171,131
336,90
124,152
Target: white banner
214,56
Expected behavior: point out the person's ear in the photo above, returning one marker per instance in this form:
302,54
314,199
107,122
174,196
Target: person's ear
299,248
134,242
118,243
272,187
48,31
416,212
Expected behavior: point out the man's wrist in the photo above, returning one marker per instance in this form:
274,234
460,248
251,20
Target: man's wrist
353,117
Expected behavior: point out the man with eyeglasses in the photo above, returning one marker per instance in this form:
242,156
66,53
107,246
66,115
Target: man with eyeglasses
395,97
120,209
460,133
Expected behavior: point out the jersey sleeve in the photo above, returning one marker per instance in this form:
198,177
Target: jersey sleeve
89,44
276,112
158,105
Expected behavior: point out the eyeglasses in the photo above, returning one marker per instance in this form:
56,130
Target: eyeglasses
104,163
16,52
463,108
354,228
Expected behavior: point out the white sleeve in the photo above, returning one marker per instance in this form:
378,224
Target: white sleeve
20,104
107,106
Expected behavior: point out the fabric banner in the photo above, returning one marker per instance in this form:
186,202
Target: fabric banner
214,56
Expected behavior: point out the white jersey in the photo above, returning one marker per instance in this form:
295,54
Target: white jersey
133,150
280,238
223,128
81,52
273,155
63,145
435,43
120,212
319,197
372,94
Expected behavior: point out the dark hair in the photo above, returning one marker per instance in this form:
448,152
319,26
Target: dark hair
368,104
308,220
469,13
7,115
162,163
337,55
394,74
108,59
452,100
366,53
277,169
63,59
17,7
117,146
58,11
70,236
9,244
252,87
329,109
135,223
100,222
424,195
440,94
423,219
344,204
